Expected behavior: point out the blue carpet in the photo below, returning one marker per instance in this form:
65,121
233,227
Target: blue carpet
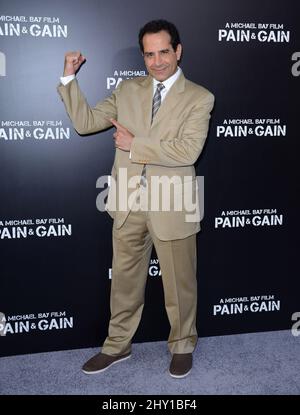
245,364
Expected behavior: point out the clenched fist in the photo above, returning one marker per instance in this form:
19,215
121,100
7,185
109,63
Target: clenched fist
73,61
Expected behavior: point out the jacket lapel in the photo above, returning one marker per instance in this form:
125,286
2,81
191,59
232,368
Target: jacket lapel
145,98
171,100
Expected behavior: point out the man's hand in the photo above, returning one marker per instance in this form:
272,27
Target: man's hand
73,61
123,137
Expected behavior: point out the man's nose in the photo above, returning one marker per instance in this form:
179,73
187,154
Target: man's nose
157,59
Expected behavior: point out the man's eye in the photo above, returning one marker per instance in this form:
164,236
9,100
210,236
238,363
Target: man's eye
165,52
148,55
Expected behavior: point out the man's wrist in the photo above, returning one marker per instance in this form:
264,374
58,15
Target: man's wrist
66,79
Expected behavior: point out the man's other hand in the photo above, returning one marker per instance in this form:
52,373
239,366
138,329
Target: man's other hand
73,61
123,137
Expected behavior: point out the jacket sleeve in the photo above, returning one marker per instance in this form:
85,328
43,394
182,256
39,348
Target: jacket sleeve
85,119
178,151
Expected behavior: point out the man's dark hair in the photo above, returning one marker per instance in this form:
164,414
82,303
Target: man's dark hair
156,26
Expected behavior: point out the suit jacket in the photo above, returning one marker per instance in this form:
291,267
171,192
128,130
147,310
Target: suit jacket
169,146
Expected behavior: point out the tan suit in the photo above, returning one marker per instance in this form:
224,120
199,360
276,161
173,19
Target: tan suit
169,146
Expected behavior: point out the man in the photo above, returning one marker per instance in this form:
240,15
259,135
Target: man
161,125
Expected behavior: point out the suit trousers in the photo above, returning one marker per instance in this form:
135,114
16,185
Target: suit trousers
132,247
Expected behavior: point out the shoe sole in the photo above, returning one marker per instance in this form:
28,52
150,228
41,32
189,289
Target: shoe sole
107,367
180,376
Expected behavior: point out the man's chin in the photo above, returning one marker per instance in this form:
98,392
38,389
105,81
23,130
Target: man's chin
159,76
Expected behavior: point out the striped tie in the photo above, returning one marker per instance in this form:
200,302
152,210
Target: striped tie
155,106
157,99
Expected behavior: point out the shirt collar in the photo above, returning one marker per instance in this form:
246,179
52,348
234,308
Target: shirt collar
168,82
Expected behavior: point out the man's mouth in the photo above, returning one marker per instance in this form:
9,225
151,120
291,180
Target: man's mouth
159,69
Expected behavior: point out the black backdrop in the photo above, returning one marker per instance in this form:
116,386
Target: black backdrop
55,243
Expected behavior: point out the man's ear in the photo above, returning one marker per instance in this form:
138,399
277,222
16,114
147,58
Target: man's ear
178,51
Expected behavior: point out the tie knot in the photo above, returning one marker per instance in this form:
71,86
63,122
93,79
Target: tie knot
160,86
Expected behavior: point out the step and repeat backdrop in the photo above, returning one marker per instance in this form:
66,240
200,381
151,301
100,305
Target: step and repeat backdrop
55,242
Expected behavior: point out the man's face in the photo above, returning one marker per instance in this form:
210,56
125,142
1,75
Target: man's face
159,55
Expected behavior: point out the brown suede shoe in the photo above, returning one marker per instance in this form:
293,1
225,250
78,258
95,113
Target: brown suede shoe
181,365
100,362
